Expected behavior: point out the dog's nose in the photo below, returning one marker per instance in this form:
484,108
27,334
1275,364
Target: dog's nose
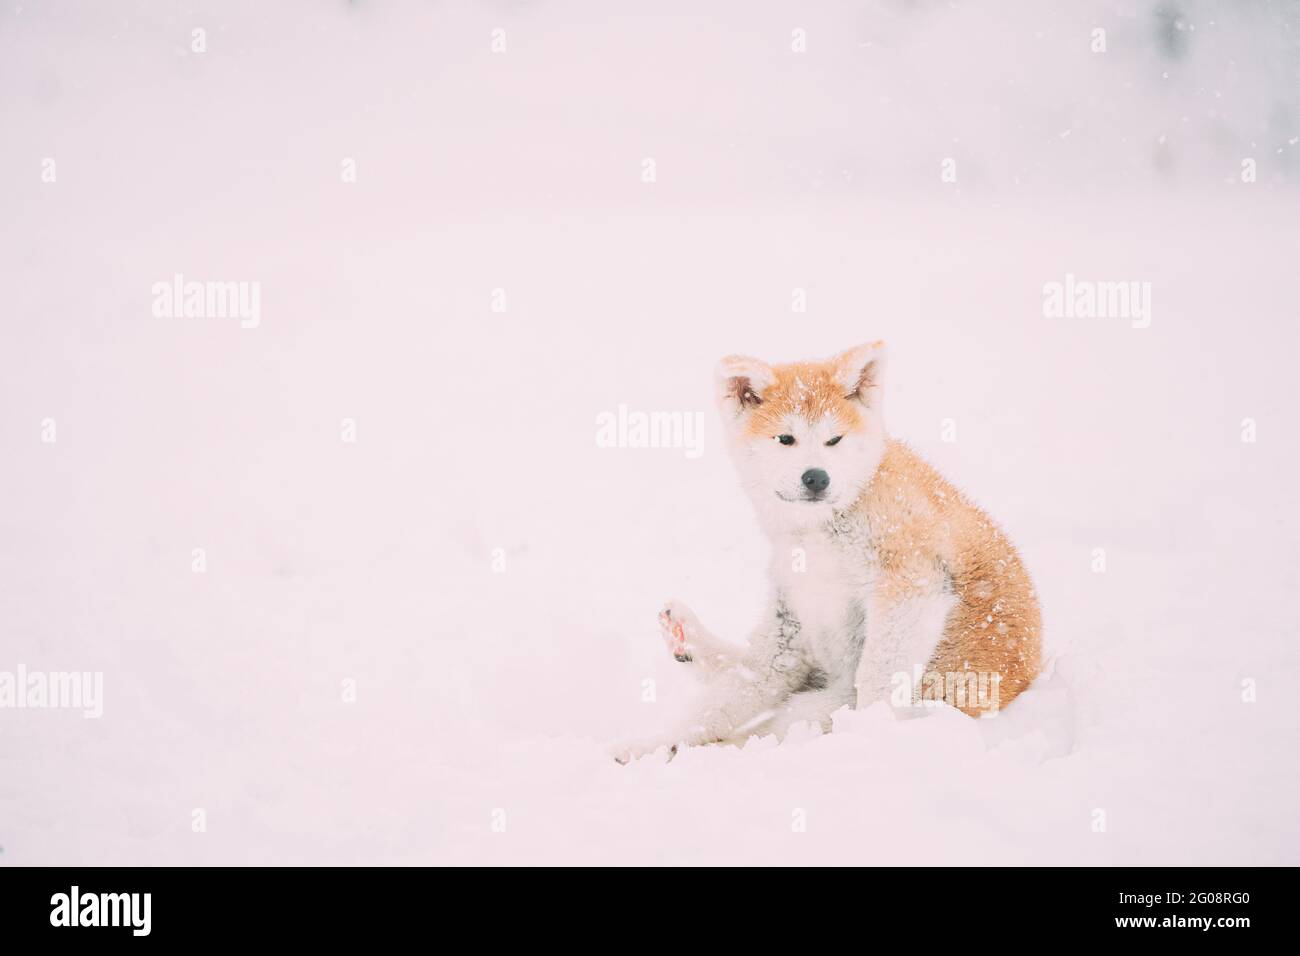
816,480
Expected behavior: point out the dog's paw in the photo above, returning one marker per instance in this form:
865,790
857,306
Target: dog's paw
680,627
626,752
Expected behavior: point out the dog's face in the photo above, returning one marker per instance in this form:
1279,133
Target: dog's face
806,437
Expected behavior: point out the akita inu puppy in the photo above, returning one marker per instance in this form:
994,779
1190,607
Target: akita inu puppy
887,582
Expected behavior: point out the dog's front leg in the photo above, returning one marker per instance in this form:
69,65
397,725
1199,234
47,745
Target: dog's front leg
743,695
904,625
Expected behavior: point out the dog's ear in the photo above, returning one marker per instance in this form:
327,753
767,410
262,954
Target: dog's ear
859,371
741,381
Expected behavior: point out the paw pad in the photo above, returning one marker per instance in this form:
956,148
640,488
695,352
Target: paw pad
674,636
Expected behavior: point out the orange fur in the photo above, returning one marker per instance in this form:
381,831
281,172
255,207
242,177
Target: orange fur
808,389
922,524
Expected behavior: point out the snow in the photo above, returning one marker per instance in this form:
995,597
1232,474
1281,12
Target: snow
488,574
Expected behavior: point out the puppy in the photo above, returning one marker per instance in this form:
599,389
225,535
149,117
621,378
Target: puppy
887,583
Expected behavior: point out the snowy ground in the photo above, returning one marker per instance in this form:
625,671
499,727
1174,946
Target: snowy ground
486,695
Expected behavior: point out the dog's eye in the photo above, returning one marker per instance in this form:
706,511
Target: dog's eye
834,441
785,439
